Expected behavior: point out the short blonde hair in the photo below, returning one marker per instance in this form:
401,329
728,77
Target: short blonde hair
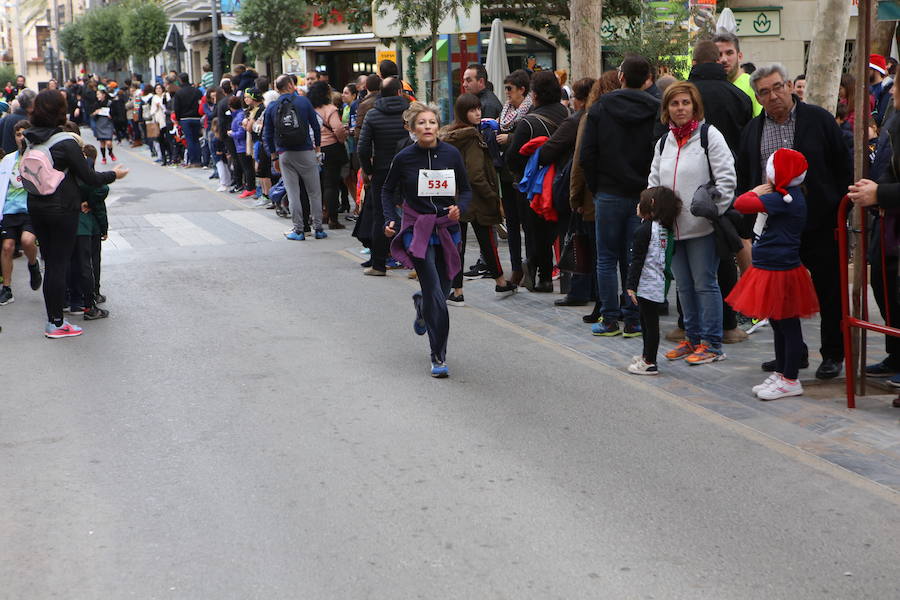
682,87
417,108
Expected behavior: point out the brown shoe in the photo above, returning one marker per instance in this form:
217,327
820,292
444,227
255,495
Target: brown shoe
734,336
676,335
374,272
336,225
412,275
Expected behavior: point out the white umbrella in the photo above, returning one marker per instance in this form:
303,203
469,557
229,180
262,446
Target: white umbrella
726,22
497,65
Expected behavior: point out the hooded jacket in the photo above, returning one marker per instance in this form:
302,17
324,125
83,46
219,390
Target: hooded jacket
186,103
725,107
67,156
541,120
381,131
618,142
484,208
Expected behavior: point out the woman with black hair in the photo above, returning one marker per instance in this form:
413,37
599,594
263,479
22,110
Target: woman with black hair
55,216
104,129
334,134
484,208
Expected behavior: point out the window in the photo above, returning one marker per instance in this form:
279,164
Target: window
523,51
847,67
42,33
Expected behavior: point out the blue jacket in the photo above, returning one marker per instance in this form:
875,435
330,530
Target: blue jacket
403,180
237,132
533,179
306,112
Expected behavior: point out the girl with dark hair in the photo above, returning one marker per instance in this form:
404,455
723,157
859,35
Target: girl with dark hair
650,272
484,209
55,216
158,117
104,129
334,134
244,176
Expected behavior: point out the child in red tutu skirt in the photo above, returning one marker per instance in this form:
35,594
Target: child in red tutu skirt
778,287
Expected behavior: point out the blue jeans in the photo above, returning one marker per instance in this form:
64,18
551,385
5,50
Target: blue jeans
191,128
615,223
695,264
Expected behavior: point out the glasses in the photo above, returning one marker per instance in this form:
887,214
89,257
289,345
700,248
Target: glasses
508,88
776,88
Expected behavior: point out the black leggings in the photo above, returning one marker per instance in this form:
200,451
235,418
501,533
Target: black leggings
512,211
789,346
649,311
56,235
335,159
248,171
539,238
487,243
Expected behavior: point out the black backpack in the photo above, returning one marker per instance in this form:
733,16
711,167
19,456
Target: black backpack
288,128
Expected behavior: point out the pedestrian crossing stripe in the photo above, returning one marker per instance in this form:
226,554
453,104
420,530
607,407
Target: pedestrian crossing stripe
256,222
182,231
157,230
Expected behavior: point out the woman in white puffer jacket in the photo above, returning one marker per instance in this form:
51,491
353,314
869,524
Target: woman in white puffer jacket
683,165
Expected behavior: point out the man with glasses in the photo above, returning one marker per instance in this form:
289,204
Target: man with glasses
786,122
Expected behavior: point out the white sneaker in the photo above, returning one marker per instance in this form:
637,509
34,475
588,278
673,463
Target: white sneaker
222,188
757,325
641,367
781,389
768,382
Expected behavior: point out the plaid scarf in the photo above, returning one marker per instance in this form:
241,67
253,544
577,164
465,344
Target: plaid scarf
509,115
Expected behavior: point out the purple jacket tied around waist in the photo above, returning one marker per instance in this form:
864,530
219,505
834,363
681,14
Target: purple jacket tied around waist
423,226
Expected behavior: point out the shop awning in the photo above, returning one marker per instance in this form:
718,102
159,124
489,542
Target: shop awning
442,52
888,10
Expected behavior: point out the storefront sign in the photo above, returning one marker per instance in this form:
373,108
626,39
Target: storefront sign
755,23
387,55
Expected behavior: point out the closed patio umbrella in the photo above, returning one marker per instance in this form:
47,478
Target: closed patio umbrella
497,65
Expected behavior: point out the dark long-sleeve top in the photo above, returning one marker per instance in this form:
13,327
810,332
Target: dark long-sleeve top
67,156
639,253
403,178
542,120
305,111
186,103
818,137
888,194
561,145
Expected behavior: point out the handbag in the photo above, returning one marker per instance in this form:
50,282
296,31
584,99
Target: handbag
152,129
575,256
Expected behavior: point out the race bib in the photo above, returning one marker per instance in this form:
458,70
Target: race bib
440,182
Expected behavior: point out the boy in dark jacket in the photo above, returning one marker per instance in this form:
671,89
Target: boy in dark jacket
93,227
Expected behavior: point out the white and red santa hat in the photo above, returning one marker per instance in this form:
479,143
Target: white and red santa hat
786,168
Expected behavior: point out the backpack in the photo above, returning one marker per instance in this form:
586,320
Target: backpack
36,167
288,131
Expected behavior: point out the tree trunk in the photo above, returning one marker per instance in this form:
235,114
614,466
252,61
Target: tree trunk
432,84
883,37
826,53
585,18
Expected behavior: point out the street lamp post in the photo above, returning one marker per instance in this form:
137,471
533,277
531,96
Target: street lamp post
216,55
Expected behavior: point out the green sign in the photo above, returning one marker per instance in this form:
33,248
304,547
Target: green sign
758,22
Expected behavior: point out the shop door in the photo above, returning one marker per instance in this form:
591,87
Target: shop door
344,66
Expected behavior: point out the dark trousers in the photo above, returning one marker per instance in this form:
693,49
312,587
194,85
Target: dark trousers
56,235
231,151
649,313
819,253
432,274
380,242
789,346
511,209
247,171
891,343
84,281
539,238
335,159
487,243
727,276
191,129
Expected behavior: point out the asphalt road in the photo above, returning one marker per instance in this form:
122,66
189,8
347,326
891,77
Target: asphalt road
256,420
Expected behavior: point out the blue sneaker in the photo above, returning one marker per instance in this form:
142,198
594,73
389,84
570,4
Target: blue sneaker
894,381
606,328
882,369
297,237
321,235
419,322
631,331
439,370
392,263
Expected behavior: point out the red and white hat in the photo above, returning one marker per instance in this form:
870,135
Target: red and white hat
786,168
877,62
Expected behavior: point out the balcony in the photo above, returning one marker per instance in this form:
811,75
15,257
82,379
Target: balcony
186,10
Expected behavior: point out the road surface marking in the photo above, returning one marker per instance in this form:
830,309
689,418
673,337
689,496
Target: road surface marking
257,222
182,231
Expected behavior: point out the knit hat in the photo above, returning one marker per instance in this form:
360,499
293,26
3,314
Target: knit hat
786,168
877,62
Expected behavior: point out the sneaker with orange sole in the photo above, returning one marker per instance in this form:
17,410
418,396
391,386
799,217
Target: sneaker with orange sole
682,350
704,354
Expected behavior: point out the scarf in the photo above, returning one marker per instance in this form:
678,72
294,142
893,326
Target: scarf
509,115
683,133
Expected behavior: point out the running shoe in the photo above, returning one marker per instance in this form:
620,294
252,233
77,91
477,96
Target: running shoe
246,194
454,300
682,350
504,291
419,322
112,157
477,271
782,388
703,354
606,328
769,381
631,331
321,235
881,369
34,272
756,325
894,381
63,331
365,251
392,263
642,367
6,296
294,236
439,370
92,314
103,161
555,274
222,188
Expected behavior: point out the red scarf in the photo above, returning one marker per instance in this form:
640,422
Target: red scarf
683,133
